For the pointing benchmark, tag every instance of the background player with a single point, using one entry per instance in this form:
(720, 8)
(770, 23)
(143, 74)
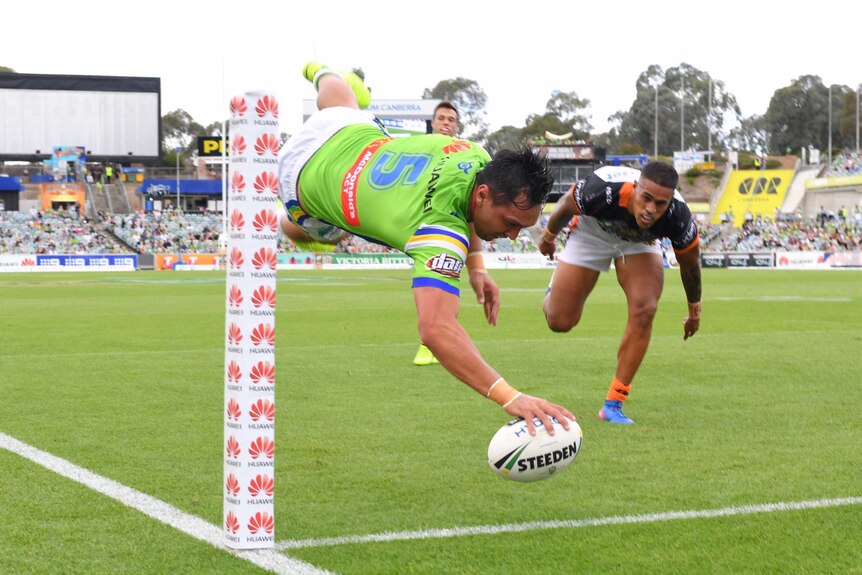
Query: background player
(619, 214)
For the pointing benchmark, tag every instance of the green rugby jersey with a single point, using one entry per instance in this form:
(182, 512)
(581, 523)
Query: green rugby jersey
(407, 193)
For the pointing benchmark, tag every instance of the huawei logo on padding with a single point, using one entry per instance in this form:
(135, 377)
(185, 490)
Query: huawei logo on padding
(238, 106)
(266, 182)
(233, 410)
(264, 257)
(263, 334)
(232, 485)
(234, 335)
(262, 446)
(263, 372)
(264, 295)
(235, 296)
(236, 219)
(262, 408)
(234, 373)
(261, 521)
(237, 182)
(233, 449)
(265, 220)
(261, 485)
(236, 259)
(267, 105)
(266, 144)
(231, 523)
(237, 145)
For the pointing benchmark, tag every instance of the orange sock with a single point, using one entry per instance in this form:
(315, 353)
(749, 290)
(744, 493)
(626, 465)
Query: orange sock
(618, 391)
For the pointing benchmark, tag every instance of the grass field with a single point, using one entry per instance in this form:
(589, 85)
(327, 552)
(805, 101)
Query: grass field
(754, 418)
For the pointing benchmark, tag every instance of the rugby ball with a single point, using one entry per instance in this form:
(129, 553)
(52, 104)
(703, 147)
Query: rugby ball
(514, 454)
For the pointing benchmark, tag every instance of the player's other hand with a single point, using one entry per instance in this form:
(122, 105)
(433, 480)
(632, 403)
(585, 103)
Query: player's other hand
(691, 324)
(547, 248)
(487, 294)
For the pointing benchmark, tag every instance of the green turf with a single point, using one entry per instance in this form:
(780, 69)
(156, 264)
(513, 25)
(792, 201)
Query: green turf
(123, 374)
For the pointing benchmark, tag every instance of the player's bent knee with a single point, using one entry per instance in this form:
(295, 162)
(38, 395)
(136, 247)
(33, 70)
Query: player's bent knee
(560, 324)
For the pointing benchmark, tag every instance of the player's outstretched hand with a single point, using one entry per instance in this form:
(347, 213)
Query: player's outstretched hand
(528, 407)
(691, 323)
(547, 248)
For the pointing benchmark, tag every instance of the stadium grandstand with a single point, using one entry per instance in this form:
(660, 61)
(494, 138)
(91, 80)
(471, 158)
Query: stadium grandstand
(109, 218)
(70, 205)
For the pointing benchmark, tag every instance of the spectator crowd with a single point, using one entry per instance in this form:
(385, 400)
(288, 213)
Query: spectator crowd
(826, 235)
(53, 232)
(66, 232)
(847, 163)
(168, 231)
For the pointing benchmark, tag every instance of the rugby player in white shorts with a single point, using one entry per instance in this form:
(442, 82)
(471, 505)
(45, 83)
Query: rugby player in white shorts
(619, 215)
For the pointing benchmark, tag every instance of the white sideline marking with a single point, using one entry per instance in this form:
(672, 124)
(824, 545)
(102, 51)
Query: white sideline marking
(784, 298)
(196, 527)
(571, 524)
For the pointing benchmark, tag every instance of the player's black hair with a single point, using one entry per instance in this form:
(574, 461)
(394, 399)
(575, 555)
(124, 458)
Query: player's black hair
(520, 176)
(661, 173)
(448, 105)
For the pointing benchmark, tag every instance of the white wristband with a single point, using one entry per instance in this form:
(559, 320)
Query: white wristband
(508, 403)
(548, 237)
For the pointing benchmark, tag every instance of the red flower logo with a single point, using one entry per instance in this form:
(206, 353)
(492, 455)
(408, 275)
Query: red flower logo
(263, 372)
(456, 146)
(233, 410)
(265, 220)
(262, 446)
(266, 182)
(262, 484)
(236, 259)
(261, 520)
(234, 374)
(266, 144)
(267, 105)
(234, 297)
(262, 408)
(232, 486)
(231, 523)
(264, 257)
(236, 219)
(263, 334)
(233, 449)
(238, 106)
(264, 295)
(237, 182)
(237, 145)
(234, 335)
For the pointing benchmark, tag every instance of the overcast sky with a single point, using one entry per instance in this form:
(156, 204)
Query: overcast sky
(206, 52)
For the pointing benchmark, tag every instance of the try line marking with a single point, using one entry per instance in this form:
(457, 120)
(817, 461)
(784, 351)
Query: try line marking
(571, 524)
(268, 559)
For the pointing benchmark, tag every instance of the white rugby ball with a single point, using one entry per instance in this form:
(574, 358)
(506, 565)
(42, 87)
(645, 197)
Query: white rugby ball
(514, 454)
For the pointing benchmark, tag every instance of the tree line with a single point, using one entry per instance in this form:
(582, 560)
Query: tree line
(695, 111)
